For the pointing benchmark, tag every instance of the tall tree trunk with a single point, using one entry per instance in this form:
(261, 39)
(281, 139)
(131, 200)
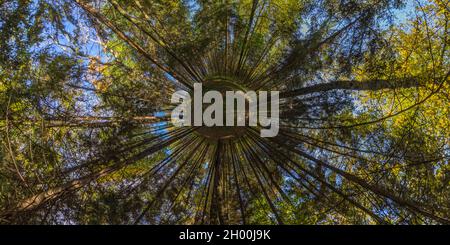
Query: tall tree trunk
(370, 85)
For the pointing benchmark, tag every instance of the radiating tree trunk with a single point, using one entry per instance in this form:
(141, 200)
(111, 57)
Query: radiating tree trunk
(87, 121)
(370, 85)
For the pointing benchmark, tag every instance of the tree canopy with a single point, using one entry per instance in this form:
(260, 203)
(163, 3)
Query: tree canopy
(86, 135)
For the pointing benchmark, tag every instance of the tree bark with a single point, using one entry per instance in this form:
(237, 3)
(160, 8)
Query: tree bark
(369, 85)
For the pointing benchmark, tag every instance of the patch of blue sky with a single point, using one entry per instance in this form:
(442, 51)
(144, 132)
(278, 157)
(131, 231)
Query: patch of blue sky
(402, 15)
(193, 7)
(159, 114)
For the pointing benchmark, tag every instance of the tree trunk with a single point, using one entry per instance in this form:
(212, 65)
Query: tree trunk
(370, 85)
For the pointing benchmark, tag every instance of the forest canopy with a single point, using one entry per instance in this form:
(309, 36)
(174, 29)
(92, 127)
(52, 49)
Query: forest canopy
(86, 135)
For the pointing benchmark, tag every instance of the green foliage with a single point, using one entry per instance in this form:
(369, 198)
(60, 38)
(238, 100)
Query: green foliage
(86, 136)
